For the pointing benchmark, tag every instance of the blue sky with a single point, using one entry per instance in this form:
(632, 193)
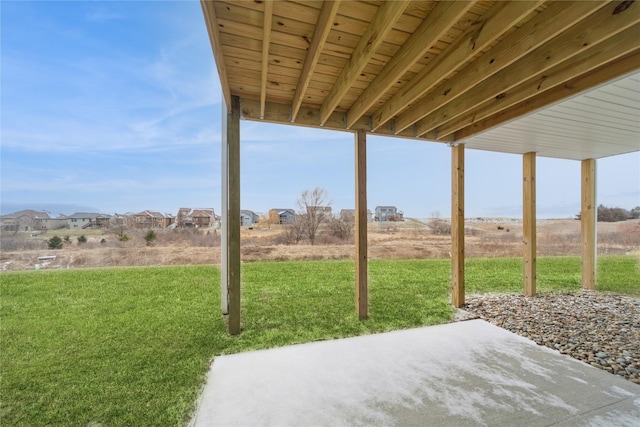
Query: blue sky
(115, 107)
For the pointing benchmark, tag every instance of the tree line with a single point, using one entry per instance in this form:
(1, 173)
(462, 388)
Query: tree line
(607, 214)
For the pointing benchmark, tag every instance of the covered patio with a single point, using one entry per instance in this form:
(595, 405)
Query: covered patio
(533, 78)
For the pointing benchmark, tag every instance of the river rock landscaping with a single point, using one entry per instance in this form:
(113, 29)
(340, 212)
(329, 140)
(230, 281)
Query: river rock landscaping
(600, 329)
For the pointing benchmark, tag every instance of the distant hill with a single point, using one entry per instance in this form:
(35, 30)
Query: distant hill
(53, 209)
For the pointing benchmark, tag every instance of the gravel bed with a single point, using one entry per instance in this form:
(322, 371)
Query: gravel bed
(600, 329)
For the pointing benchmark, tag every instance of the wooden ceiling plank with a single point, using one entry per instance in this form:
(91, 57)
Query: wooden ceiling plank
(320, 34)
(594, 29)
(306, 12)
(281, 35)
(208, 9)
(478, 36)
(266, 40)
(439, 21)
(607, 72)
(237, 12)
(597, 55)
(374, 35)
(247, 44)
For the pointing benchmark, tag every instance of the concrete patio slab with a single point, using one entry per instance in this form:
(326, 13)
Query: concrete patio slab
(462, 374)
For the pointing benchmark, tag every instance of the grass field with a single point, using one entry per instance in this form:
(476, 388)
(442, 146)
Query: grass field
(131, 346)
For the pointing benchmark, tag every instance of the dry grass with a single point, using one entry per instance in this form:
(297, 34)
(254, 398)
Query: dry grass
(410, 239)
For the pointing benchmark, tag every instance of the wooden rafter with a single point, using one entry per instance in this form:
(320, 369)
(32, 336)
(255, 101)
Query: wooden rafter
(607, 72)
(532, 34)
(596, 28)
(594, 57)
(266, 40)
(209, 13)
(310, 117)
(323, 26)
(478, 36)
(373, 37)
(439, 21)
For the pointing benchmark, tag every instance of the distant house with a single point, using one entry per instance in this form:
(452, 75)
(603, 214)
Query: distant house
(324, 210)
(152, 219)
(248, 218)
(349, 215)
(47, 223)
(25, 220)
(195, 218)
(388, 213)
(282, 216)
(84, 220)
(121, 220)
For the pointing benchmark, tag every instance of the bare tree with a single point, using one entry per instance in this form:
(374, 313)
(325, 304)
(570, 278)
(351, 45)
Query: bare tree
(341, 227)
(314, 209)
(295, 230)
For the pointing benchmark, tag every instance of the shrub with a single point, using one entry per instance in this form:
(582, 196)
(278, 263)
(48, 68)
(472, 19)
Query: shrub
(150, 238)
(340, 228)
(440, 227)
(82, 239)
(55, 243)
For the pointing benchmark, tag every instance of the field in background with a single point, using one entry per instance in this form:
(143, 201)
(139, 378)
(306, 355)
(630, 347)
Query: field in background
(409, 239)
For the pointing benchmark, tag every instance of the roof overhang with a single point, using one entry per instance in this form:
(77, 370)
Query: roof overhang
(556, 78)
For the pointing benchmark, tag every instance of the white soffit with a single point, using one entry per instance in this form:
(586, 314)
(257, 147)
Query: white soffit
(599, 123)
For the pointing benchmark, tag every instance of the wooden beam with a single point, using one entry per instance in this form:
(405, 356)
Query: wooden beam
(594, 29)
(457, 226)
(323, 26)
(310, 117)
(232, 213)
(493, 23)
(588, 224)
(266, 41)
(602, 53)
(362, 292)
(529, 222)
(618, 68)
(373, 37)
(209, 12)
(440, 20)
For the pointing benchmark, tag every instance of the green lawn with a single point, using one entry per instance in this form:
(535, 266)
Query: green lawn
(131, 346)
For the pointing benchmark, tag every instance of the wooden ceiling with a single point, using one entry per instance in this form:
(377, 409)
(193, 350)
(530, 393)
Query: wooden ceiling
(444, 71)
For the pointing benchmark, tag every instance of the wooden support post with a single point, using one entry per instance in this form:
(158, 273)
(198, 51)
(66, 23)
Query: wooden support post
(362, 292)
(224, 226)
(231, 213)
(529, 222)
(457, 226)
(588, 224)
